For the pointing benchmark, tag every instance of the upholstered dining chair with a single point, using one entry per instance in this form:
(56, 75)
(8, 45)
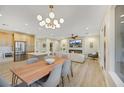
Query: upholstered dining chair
(68, 55)
(3, 82)
(32, 60)
(66, 70)
(54, 77)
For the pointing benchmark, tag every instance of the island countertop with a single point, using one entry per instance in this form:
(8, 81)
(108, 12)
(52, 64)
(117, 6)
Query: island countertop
(37, 53)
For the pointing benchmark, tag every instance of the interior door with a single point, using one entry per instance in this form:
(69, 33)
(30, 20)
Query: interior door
(51, 47)
(105, 47)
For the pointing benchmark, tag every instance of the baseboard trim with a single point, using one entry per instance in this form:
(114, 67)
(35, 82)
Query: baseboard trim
(116, 79)
(105, 76)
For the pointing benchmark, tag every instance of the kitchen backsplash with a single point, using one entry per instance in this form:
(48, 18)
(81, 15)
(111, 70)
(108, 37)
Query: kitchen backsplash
(6, 49)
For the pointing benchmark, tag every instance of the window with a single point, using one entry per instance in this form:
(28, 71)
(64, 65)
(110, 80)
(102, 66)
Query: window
(119, 41)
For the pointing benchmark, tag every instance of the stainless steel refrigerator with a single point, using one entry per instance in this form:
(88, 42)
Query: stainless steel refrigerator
(19, 50)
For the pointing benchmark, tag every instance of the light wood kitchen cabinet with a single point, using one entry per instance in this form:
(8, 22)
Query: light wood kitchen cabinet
(6, 39)
(29, 39)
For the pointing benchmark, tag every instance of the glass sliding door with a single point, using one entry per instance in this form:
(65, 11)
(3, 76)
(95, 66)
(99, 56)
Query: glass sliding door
(119, 41)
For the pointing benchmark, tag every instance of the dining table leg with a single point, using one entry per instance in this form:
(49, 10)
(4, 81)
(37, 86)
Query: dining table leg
(14, 79)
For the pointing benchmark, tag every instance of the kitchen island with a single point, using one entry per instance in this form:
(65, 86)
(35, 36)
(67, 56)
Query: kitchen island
(39, 55)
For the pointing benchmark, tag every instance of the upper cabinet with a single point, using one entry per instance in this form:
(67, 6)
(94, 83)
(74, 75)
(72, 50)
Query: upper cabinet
(29, 39)
(6, 39)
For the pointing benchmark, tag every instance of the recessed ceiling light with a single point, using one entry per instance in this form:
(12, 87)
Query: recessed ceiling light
(0, 14)
(122, 22)
(122, 15)
(87, 28)
(16, 29)
(26, 24)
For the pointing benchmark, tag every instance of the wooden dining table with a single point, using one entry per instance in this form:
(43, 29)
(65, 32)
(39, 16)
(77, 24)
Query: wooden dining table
(30, 73)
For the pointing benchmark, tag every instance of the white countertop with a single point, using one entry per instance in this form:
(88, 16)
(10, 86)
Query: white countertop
(37, 53)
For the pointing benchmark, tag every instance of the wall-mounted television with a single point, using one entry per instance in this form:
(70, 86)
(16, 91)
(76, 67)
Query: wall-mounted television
(75, 43)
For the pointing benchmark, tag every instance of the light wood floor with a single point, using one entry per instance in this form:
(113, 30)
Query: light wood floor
(87, 74)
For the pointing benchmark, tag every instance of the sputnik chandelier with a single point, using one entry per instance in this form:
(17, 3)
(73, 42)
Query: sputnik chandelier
(51, 22)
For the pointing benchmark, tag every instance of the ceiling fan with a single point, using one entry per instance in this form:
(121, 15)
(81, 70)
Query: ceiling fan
(74, 36)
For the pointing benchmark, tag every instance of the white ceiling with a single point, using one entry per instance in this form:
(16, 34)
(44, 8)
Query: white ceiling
(77, 18)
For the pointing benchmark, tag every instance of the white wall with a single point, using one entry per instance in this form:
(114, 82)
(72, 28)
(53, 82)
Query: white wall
(87, 41)
(64, 45)
(56, 44)
(110, 40)
(40, 41)
(109, 22)
(38, 45)
(85, 44)
(101, 44)
(60, 45)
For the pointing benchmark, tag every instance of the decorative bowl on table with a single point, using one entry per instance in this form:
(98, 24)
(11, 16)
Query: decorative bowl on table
(50, 60)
